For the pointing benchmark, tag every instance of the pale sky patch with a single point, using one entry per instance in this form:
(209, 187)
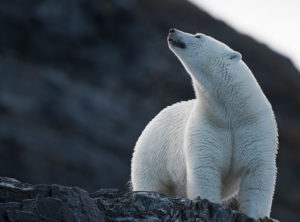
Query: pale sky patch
(273, 22)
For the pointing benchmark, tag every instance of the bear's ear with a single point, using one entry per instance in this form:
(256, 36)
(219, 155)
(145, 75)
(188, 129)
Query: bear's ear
(234, 56)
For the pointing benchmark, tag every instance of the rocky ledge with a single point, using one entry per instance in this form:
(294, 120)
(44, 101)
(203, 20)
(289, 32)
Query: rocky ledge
(42, 202)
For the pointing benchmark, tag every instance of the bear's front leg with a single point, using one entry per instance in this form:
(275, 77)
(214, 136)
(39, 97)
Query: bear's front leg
(205, 163)
(204, 182)
(207, 152)
(256, 155)
(256, 190)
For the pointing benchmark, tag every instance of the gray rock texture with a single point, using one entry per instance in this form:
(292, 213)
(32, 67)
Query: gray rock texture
(30, 203)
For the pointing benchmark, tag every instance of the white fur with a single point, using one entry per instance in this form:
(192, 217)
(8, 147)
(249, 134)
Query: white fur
(221, 143)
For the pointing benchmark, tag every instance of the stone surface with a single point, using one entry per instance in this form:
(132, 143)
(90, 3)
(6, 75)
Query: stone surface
(25, 202)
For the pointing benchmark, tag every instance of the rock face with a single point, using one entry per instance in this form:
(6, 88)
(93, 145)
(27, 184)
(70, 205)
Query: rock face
(79, 80)
(25, 202)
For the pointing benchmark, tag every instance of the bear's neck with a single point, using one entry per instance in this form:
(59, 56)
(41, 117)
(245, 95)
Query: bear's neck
(230, 103)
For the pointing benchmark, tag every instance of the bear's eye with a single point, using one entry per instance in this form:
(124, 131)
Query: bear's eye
(197, 36)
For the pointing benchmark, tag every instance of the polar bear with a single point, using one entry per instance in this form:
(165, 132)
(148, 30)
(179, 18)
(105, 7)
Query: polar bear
(222, 143)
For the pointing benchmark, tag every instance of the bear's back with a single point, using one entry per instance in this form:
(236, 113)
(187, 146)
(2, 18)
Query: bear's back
(160, 145)
(167, 125)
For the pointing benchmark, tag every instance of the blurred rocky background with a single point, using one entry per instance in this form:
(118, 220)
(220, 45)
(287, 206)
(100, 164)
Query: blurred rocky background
(79, 80)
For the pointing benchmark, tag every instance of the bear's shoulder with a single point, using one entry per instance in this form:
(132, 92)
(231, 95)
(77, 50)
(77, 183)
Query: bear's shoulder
(171, 116)
(177, 109)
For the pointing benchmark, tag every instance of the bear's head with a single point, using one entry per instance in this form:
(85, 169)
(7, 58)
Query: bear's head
(201, 54)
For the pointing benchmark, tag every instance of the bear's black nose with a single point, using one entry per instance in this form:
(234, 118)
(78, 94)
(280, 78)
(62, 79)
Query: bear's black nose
(171, 30)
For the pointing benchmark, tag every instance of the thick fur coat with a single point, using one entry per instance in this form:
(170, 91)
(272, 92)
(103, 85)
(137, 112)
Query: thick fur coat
(222, 143)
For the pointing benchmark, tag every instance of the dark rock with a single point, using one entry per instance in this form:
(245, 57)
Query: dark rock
(74, 204)
(40, 204)
(12, 190)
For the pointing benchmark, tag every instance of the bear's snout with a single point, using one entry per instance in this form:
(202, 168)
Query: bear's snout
(171, 30)
(174, 40)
